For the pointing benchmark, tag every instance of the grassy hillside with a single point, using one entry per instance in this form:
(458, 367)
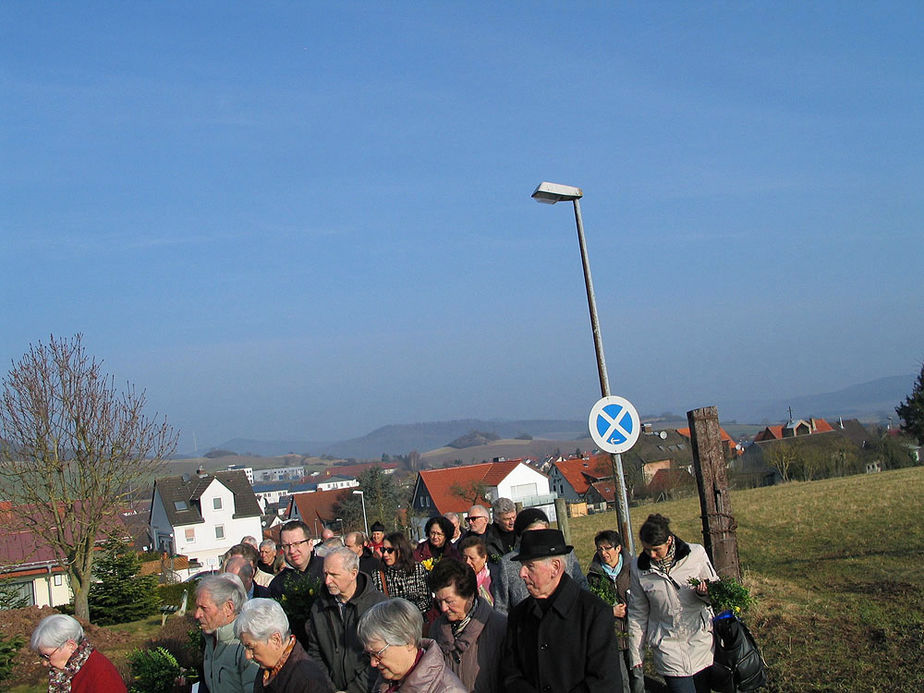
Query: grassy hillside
(836, 565)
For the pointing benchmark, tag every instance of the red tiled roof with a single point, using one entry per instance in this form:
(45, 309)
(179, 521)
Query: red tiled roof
(770, 433)
(723, 434)
(581, 472)
(440, 482)
(319, 505)
(821, 426)
(606, 490)
(667, 479)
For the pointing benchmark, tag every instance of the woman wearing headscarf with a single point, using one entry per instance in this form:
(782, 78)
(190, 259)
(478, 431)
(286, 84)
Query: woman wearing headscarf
(669, 614)
(73, 663)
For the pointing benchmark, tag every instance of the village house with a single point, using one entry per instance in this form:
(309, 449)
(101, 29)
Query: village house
(456, 489)
(201, 516)
(318, 510)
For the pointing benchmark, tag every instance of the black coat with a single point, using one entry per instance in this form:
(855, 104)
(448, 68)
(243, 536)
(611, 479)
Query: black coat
(570, 647)
(300, 674)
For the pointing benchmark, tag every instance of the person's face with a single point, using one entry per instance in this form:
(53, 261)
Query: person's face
(505, 521)
(378, 536)
(389, 554)
(353, 545)
(212, 616)
(392, 661)
(541, 577)
(436, 536)
(264, 652)
(474, 559)
(608, 553)
(297, 547)
(455, 524)
(267, 555)
(57, 656)
(658, 552)
(477, 523)
(451, 604)
(340, 581)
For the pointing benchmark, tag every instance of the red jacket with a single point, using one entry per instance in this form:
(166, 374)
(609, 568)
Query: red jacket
(97, 675)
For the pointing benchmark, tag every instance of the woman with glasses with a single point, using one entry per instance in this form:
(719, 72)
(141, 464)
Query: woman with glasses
(401, 576)
(407, 663)
(609, 576)
(439, 531)
(73, 663)
(668, 613)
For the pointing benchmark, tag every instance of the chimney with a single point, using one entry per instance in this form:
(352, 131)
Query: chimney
(200, 471)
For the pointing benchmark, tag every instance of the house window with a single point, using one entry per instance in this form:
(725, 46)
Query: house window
(216, 503)
(180, 505)
(219, 532)
(190, 535)
(59, 580)
(523, 490)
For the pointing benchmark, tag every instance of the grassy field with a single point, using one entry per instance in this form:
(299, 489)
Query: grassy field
(836, 566)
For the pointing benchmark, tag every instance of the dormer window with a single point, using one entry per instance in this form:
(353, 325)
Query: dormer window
(180, 505)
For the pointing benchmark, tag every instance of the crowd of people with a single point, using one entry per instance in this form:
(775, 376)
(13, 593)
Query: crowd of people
(501, 605)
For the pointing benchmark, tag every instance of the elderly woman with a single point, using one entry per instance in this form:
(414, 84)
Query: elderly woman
(400, 575)
(73, 664)
(439, 531)
(666, 612)
(390, 633)
(475, 554)
(468, 631)
(263, 630)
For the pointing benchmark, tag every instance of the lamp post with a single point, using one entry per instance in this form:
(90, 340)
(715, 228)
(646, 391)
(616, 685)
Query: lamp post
(362, 497)
(550, 193)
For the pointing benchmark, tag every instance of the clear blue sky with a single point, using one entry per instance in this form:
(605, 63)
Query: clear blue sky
(306, 220)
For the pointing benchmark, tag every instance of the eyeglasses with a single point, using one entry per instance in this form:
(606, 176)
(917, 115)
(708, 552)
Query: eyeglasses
(604, 549)
(286, 547)
(47, 657)
(377, 656)
(388, 549)
(473, 518)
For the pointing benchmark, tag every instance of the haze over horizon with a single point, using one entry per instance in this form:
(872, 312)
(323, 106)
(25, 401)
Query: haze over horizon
(304, 221)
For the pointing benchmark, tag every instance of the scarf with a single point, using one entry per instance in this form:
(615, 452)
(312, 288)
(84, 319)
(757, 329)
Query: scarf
(665, 564)
(484, 585)
(458, 626)
(612, 573)
(270, 674)
(59, 680)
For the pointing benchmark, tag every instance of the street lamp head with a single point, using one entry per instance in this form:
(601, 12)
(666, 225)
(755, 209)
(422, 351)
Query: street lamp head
(357, 493)
(550, 193)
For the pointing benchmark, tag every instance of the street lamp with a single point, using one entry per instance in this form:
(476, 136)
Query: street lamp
(362, 497)
(550, 193)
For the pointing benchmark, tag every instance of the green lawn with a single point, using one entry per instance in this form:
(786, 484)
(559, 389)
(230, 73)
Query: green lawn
(836, 566)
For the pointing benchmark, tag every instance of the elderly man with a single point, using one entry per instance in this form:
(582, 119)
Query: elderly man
(478, 520)
(240, 566)
(301, 574)
(356, 542)
(456, 529)
(252, 555)
(267, 562)
(377, 538)
(561, 638)
(331, 627)
(499, 537)
(225, 666)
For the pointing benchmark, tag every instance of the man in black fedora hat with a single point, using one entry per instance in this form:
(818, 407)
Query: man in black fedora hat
(561, 638)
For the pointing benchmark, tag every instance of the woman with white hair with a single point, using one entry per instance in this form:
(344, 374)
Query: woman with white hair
(73, 664)
(390, 633)
(263, 629)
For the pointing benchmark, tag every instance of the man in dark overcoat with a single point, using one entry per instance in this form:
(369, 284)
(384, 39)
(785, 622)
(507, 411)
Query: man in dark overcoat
(561, 638)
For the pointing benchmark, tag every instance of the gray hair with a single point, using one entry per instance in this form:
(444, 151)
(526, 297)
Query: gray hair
(240, 566)
(451, 516)
(54, 631)
(502, 506)
(328, 546)
(350, 561)
(222, 588)
(394, 621)
(358, 537)
(483, 510)
(261, 618)
(268, 544)
(249, 539)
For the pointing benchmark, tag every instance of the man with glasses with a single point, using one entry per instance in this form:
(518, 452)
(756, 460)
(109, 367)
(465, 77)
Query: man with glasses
(477, 519)
(609, 574)
(298, 575)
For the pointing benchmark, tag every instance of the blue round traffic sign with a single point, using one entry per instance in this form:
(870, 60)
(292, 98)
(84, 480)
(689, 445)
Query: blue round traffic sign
(614, 424)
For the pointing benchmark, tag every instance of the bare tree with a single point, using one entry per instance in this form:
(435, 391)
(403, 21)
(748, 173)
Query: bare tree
(72, 448)
(471, 491)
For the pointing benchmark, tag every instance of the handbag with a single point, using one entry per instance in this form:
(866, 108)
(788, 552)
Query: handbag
(737, 653)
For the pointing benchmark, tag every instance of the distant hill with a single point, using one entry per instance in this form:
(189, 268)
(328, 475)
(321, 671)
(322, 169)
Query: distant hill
(871, 401)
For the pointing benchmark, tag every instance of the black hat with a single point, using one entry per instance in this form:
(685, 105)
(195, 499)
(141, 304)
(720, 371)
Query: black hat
(542, 543)
(526, 517)
(377, 527)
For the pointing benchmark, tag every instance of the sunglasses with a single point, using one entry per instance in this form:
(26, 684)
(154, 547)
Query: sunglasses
(472, 518)
(388, 549)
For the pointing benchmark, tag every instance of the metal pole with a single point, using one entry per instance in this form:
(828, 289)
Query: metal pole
(622, 500)
(362, 497)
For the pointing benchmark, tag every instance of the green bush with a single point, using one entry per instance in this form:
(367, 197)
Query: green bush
(153, 671)
(8, 650)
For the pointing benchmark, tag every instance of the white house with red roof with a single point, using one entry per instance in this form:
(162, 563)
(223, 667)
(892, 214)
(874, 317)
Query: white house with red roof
(456, 489)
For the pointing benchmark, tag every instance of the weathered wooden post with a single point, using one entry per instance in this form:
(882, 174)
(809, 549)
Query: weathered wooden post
(561, 513)
(719, 524)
